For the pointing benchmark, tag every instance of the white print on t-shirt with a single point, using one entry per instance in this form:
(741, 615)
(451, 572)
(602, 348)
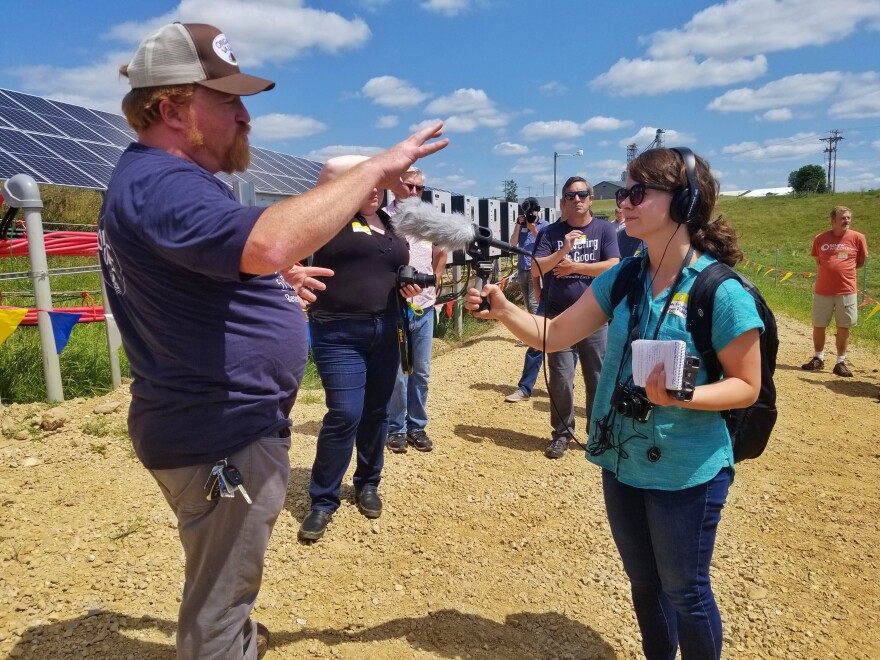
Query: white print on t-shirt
(284, 285)
(114, 270)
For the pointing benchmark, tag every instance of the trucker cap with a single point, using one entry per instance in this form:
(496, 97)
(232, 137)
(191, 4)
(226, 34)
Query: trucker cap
(182, 53)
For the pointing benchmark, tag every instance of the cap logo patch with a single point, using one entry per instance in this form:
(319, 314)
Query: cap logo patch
(223, 49)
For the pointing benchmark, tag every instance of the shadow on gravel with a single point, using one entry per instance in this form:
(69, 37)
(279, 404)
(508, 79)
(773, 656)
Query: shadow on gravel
(500, 436)
(447, 633)
(98, 636)
(454, 634)
(297, 501)
(846, 386)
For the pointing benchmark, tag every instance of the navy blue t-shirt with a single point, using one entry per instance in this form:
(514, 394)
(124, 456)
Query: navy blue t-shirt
(598, 243)
(216, 355)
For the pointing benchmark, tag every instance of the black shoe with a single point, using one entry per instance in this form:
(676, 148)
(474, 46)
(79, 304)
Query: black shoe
(815, 364)
(314, 525)
(840, 369)
(420, 440)
(368, 501)
(396, 442)
(556, 448)
(262, 640)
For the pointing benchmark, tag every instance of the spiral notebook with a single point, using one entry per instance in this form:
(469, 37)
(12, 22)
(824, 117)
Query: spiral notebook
(647, 353)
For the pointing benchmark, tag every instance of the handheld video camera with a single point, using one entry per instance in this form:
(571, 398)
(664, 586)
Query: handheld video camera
(409, 275)
(530, 210)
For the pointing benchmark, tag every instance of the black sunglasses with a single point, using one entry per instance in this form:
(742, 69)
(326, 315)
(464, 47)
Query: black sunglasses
(636, 194)
(414, 186)
(583, 194)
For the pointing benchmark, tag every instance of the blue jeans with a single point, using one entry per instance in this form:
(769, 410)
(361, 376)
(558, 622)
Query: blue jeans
(534, 358)
(407, 412)
(357, 360)
(561, 365)
(666, 539)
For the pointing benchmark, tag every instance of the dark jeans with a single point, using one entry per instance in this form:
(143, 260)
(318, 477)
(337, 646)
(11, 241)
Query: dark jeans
(666, 539)
(533, 360)
(357, 360)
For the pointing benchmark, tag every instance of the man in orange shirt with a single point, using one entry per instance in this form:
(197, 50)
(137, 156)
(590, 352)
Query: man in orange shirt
(838, 253)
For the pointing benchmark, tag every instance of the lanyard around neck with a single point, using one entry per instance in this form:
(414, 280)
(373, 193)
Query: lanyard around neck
(673, 289)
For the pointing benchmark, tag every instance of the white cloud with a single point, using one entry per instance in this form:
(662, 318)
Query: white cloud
(650, 77)
(446, 7)
(532, 165)
(600, 123)
(97, 86)
(777, 114)
(387, 121)
(741, 28)
(799, 89)
(560, 129)
(277, 126)
(393, 92)
(261, 31)
(552, 88)
(876, 145)
(331, 151)
(846, 95)
(509, 149)
(800, 145)
(469, 109)
(858, 96)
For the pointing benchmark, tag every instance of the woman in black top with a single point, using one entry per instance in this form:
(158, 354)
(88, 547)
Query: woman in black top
(353, 326)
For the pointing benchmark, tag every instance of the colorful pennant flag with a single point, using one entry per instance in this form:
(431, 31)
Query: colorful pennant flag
(62, 326)
(9, 320)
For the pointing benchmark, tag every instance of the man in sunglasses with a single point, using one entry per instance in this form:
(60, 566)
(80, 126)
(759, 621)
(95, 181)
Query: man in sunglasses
(407, 414)
(572, 253)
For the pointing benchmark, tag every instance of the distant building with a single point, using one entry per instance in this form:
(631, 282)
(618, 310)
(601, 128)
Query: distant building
(757, 192)
(606, 189)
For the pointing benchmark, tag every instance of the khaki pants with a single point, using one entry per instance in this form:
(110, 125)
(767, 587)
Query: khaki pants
(225, 543)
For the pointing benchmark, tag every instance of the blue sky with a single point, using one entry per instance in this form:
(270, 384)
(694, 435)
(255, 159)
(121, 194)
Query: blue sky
(752, 85)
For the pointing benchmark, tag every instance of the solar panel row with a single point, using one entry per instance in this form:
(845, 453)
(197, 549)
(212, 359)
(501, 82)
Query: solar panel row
(69, 145)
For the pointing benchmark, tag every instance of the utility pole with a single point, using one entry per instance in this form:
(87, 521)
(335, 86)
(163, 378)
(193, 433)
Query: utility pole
(831, 150)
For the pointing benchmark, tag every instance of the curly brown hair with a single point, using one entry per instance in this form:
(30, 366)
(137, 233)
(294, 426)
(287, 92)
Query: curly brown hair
(141, 105)
(665, 167)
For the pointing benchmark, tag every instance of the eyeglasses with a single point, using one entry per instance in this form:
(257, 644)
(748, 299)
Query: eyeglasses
(636, 194)
(414, 186)
(571, 194)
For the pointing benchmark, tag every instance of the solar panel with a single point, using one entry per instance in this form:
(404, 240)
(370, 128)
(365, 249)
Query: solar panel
(69, 145)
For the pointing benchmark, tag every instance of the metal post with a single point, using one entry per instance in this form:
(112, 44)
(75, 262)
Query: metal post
(776, 276)
(21, 192)
(114, 340)
(555, 201)
(456, 308)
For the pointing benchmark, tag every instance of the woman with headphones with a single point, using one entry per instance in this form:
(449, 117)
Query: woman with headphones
(666, 463)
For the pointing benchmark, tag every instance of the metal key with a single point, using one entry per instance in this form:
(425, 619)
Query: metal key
(234, 479)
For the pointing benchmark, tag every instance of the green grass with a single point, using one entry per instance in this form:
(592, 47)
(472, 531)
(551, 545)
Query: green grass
(770, 227)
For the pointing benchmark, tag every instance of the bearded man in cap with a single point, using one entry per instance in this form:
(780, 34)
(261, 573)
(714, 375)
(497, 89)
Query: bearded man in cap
(204, 293)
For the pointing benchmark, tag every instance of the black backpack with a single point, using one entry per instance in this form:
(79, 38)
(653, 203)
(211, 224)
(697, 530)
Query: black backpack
(750, 427)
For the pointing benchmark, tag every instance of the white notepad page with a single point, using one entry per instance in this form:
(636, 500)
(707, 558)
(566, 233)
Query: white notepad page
(647, 353)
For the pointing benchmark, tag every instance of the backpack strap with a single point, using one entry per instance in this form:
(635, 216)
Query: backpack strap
(628, 282)
(701, 304)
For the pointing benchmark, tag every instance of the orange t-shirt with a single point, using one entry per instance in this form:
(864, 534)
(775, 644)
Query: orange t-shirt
(838, 258)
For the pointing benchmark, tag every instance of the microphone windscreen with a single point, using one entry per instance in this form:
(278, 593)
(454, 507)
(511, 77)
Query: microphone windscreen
(425, 222)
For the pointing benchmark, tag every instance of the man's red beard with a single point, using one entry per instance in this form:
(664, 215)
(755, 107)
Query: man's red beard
(236, 159)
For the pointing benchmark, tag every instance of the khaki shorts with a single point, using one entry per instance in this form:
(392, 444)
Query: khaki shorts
(845, 309)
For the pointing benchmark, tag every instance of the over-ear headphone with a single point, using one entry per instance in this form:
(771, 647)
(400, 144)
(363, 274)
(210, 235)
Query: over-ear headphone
(686, 201)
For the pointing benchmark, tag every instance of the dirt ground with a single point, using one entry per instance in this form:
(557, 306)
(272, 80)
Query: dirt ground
(485, 549)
